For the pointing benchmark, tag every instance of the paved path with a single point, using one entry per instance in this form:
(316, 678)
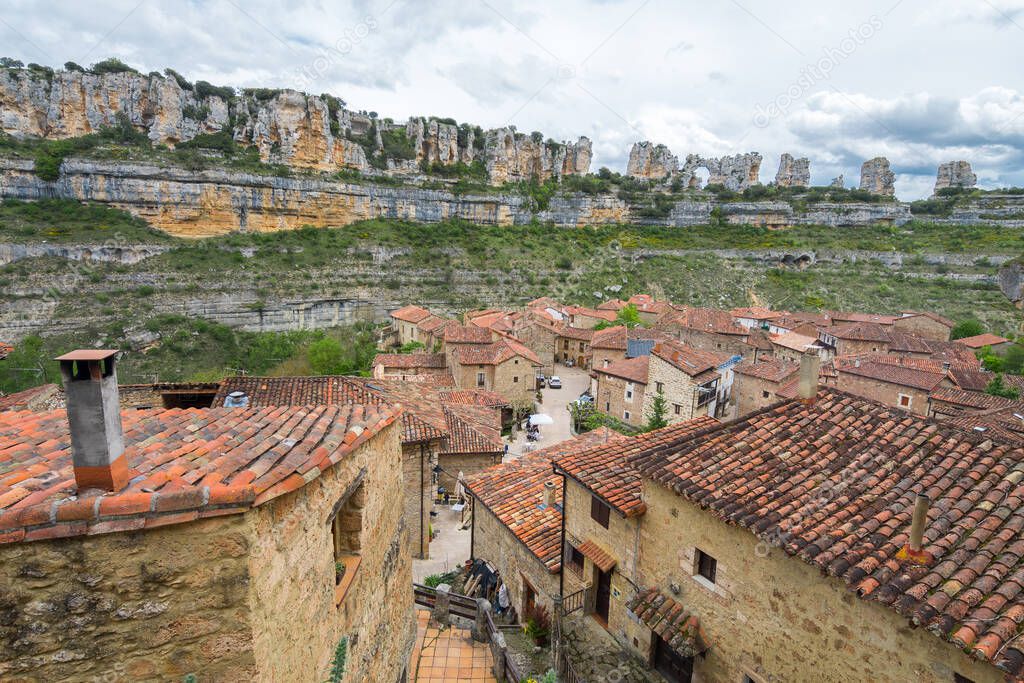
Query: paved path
(449, 655)
(574, 383)
(449, 550)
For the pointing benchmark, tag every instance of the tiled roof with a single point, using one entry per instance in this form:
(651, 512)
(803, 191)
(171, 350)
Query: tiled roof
(472, 429)
(495, 353)
(971, 399)
(860, 331)
(592, 313)
(928, 314)
(409, 360)
(466, 334)
(794, 341)
(858, 467)
(431, 323)
(493, 319)
(774, 370)
(690, 360)
(610, 338)
(184, 465)
(514, 493)
(575, 333)
(598, 555)
(631, 369)
(704, 320)
(410, 314)
(671, 621)
(893, 373)
(611, 305)
(758, 339)
(908, 343)
(757, 313)
(29, 399)
(982, 340)
(841, 317)
(474, 397)
(604, 470)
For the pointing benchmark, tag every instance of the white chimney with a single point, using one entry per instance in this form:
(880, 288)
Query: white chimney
(549, 494)
(810, 366)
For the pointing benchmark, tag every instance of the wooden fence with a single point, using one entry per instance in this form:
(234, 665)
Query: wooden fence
(468, 608)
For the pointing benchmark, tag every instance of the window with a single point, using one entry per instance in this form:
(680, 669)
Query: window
(957, 678)
(904, 401)
(346, 526)
(706, 393)
(659, 387)
(629, 391)
(606, 362)
(625, 414)
(575, 561)
(765, 394)
(481, 379)
(607, 406)
(515, 380)
(707, 566)
(677, 408)
(599, 511)
(515, 362)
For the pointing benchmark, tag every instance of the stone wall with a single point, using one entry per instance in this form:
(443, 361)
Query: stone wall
(748, 393)
(418, 462)
(292, 575)
(923, 326)
(515, 380)
(495, 543)
(611, 399)
(467, 463)
(776, 617)
(143, 605)
(679, 389)
(884, 392)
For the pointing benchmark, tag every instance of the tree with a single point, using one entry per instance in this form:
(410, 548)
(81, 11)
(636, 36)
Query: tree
(659, 409)
(628, 316)
(997, 388)
(326, 356)
(966, 328)
(603, 325)
(410, 347)
(1013, 360)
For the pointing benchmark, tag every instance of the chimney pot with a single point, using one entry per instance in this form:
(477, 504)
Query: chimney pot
(918, 522)
(94, 418)
(549, 494)
(810, 366)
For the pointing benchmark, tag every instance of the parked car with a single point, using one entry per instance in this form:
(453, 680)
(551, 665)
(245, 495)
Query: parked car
(585, 397)
(541, 381)
(554, 382)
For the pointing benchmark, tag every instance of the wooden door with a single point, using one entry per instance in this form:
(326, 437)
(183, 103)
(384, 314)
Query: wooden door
(604, 594)
(670, 664)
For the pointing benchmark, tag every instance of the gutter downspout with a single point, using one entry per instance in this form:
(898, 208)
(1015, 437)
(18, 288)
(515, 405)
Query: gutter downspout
(561, 547)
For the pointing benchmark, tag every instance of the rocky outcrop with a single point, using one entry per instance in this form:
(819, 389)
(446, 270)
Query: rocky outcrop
(512, 156)
(877, 178)
(957, 174)
(838, 181)
(793, 172)
(736, 173)
(1011, 281)
(286, 126)
(651, 162)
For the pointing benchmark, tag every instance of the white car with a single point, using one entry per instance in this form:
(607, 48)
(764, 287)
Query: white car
(554, 382)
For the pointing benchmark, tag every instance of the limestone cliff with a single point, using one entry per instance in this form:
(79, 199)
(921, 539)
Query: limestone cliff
(793, 172)
(287, 127)
(956, 174)
(736, 173)
(877, 178)
(651, 162)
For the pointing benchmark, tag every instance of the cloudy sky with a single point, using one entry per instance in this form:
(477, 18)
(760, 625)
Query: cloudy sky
(918, 81)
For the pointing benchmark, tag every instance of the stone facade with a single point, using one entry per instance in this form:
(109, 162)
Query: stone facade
(899, 396)
(493, 542)
(620, 398)
(467, 463)
(514, 379)
(541, 340)
(576, 350)
(775, 618)
(418, 460)
(752, 393)
(679, 389)
(247, 596)
(923, 326)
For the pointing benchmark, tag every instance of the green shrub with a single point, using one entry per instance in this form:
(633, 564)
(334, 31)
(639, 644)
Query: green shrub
(112, 65)
(205, 89)
(181, 80)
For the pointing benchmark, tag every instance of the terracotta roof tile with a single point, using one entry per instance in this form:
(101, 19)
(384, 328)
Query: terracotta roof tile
(757, 313)
(675, 625)
(860, 331)
(474, 397)
(891, 372)
(982, 340)
(690, 360)
(604, 470)
(514, 493)
(466, 334)
(212, 461)
(764, 472)
(472, 429)
(928, 314)
(703, 320)
(610, 338)
(631, 369)
(598, 555)
(29, 399)
(410, 360)
(495, 353)
(431, 323)
(795, 341)
(774, 370)
(410, 314)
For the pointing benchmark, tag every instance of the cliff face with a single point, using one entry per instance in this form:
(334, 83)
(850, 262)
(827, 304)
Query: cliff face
(286, 126)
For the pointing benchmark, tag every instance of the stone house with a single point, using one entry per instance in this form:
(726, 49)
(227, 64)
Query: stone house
(757, 384)
(731, 503)
(429, 431)
(462, 336)
(404, 321)
(924, 324)
(608, 346)
(839, 318)
(408, 366)
(542, 338)
(587, 318)
(855, 338)
(792, 345)
(504, 366)
(603, 507)
(573, 344)
(220, 544)
(694, 382)
(430, 332)
(895, 381)
(978, 342)
(620, 389)
(711, 330)
(473, 443)
(648, 308)
(756, 317)
(517, 520)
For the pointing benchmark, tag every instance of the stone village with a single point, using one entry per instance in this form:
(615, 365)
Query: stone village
(711, 495)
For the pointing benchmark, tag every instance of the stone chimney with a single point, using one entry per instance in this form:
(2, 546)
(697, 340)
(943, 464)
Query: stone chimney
(549, 494)
(914, 549)
(810, 366)
(94, 416)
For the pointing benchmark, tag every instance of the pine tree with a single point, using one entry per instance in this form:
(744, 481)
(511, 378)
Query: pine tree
(659, 409)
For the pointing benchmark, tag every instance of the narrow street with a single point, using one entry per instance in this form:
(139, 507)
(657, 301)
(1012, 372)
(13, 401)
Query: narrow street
(574, 382)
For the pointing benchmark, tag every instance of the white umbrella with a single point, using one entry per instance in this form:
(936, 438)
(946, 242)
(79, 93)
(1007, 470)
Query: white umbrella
(541, 419)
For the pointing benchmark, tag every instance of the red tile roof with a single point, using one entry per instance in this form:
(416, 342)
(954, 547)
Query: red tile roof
(578, 333)
(981, 340)
(598, 555)
(184, 465)
(472, 429)
(611, 305)
(466, 334)
(690, 360)
(604, 470)
(890, 372)
(610, 338)
(703, 320)
(30, 399)
(631, 369)
(775, 370)
(859, 331)
(795, 341)
(928, 314)
(296, 391)
(514, 493)
(410, 314)
(669, 620)
(409, 360)
(592, 313)
(495, 353)
(757, 313)
(432, 323)
(972, 399)
(841, 317)
(474, 397)
(858, 466)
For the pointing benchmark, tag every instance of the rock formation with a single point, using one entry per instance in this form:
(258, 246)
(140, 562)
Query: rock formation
(877, 178)
(650, 161)
(793, 172)
(955, 174)
(1011, 281)
(838, 181)
(736, 173)
(286, 126)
